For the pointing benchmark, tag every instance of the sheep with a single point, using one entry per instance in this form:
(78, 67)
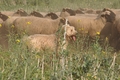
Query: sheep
(87, 25)
(111, 30)
(35, 25)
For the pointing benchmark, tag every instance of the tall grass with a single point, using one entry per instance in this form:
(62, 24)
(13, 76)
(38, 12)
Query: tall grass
(78, 62)
(81, 61)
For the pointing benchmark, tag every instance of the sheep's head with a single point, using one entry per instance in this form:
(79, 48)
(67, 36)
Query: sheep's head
(3, 17)
(35, 13)
(20, 12)
(67, 12)
(51, 15)
(108, 14)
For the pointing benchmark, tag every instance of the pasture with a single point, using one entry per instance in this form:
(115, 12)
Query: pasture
(82, 60)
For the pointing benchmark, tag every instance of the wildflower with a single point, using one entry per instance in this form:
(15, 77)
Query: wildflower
(12, 26)
(81, 29)
(23, 33)
(16, 34)
(0, 25)
(18, 41)
(106, 38)
(103, 52)
(88, 74)
(98, 33)
(37, 56)
(95, 77)
(8, 35)
(28, 23)
(9, 16)
(78, 20)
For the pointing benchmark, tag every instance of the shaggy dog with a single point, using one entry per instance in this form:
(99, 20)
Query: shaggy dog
(38, 42)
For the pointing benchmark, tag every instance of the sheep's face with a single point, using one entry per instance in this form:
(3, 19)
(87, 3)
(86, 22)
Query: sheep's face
(37, 14)
(51, 15)
(108, 15)
(71, 32)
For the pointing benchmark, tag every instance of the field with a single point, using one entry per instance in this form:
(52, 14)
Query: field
(78, 62)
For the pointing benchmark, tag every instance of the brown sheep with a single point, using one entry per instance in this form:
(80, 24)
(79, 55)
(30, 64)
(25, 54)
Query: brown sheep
(112, 29)
(35, 13)
(67, 12)
(35, 25)
(38, 42)
(51, 15)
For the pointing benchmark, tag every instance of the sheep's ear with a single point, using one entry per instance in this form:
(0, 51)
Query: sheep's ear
(106, 9)
(63, 9)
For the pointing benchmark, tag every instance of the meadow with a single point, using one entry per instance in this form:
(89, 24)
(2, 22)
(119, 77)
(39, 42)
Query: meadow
(78, 62)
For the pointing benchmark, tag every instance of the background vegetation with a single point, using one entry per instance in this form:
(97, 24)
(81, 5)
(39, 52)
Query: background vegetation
(57, 5)
(79, 62)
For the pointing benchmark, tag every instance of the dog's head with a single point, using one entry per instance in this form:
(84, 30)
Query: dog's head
(70, 32)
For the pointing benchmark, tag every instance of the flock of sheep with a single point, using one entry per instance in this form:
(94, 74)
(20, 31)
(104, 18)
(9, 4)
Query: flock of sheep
(41, 28)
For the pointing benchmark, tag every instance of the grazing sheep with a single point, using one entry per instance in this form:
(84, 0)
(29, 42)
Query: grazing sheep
(87, 25)
(112, 30)
(67, 12)
(38, 42)
(51, 15)
(35, 25)
(35, 13)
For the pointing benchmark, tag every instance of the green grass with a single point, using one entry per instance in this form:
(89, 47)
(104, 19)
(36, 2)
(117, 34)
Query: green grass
(57, 5)
(79, 62)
